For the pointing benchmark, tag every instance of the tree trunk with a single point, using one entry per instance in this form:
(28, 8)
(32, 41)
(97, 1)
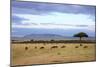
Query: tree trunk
(80, 41)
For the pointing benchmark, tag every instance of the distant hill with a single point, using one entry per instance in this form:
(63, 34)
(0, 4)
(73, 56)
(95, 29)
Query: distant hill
(48, 37)
(40, 37)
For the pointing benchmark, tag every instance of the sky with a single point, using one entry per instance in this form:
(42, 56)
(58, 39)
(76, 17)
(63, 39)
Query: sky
(51, 18)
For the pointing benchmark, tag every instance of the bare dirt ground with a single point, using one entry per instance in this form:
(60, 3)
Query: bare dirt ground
(39, 53)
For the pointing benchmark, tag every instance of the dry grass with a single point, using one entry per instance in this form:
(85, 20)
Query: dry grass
(45, 55)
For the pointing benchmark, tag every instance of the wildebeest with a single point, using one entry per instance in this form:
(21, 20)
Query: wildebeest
(41, 47)
(76, 47)
(26, 48)
(63, 46)
(85, 47)
(54, 47)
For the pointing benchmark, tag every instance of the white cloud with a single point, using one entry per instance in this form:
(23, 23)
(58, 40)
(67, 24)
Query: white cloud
(92, 27)
(56, 20)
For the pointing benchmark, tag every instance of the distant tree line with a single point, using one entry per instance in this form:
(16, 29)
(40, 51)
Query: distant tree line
(56, 41)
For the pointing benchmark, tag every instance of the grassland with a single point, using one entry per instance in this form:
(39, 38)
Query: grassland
(40, 53)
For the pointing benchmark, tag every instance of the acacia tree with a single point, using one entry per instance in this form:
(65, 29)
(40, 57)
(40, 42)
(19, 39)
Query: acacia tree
(80, 35)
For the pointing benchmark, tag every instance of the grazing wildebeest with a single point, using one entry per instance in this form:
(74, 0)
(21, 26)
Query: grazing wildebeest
(41, 47)
(26, 48)
(54, 47)
(76, 47)
(63, 46)
(85, 47)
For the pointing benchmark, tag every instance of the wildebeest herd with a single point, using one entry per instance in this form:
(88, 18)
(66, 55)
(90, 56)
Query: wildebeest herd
(26, 48)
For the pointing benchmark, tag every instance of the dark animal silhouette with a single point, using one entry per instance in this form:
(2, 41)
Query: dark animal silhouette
(85, 47)
(76, 47)
(41, 47)
(54, 47)
(26, 48)
(63, 46)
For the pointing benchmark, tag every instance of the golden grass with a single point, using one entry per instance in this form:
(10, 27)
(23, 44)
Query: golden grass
(33, 55)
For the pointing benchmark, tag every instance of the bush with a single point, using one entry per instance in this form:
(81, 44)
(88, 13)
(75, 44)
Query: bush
(81, 45)
(58, 53)
(52, 40)
(35, 47)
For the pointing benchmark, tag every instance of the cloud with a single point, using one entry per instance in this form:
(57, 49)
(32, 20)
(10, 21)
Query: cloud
(55, 21)
(17, 19)
(90, 27)
(57, 18)
(45, 8)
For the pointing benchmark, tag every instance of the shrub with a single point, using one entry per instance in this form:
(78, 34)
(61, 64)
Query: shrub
(58, 53)
(35, 47)
(81, 45)
(52, 40)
